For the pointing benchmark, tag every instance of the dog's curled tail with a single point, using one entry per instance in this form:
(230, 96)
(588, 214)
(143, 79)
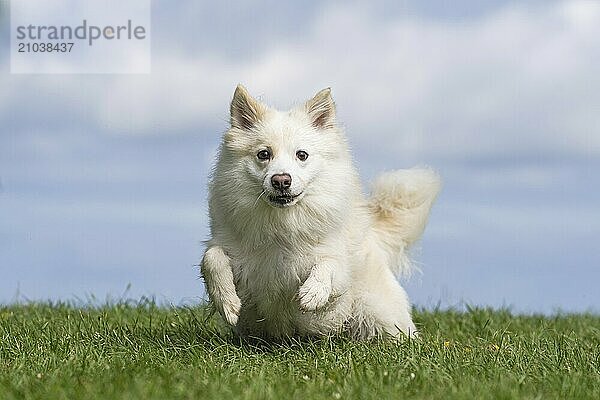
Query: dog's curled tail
(400, 203)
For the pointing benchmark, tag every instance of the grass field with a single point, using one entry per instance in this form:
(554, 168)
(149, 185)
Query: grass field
(141, 351)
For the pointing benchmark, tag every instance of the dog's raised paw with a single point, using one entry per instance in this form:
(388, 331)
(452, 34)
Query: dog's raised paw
(313, 294)
(231, 310)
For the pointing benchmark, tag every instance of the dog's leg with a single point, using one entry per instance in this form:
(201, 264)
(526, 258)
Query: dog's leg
(316, 289)
(218, 276)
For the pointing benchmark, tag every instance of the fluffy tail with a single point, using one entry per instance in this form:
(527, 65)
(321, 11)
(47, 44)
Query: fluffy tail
(400, 203)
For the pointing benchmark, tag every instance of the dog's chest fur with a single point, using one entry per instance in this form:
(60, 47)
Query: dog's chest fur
(269, 277)
(267, 281)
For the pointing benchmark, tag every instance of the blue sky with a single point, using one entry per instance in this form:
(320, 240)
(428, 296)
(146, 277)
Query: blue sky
(103, 176)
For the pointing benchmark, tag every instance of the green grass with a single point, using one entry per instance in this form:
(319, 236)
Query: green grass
(148, 352)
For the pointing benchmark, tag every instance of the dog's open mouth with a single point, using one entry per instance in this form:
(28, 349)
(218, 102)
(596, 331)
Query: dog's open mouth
(283, 199)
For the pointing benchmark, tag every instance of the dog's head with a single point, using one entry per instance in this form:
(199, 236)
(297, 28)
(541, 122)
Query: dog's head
(284, 156)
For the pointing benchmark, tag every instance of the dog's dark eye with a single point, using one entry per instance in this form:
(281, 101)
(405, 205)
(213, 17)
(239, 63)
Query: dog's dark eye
(263, 155)
(302, 155)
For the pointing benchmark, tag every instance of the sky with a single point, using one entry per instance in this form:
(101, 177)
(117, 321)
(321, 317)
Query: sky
(103, 177)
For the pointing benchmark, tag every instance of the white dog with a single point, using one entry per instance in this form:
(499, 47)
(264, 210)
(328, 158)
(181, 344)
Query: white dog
(296, 248)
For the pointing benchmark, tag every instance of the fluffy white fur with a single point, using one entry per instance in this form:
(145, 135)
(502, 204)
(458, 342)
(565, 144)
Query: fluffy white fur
(321, 257)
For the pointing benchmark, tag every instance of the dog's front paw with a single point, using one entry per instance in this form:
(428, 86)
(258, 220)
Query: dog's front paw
(314, 294)
(230, 309)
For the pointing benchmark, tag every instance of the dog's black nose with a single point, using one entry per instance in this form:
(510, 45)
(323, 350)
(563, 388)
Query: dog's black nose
(281, 181)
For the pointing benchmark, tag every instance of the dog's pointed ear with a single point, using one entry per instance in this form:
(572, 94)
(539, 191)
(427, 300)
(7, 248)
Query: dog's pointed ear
(245, 111)
(321, 109)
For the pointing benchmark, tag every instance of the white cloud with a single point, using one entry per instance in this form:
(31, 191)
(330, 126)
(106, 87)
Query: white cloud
(515, 80)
